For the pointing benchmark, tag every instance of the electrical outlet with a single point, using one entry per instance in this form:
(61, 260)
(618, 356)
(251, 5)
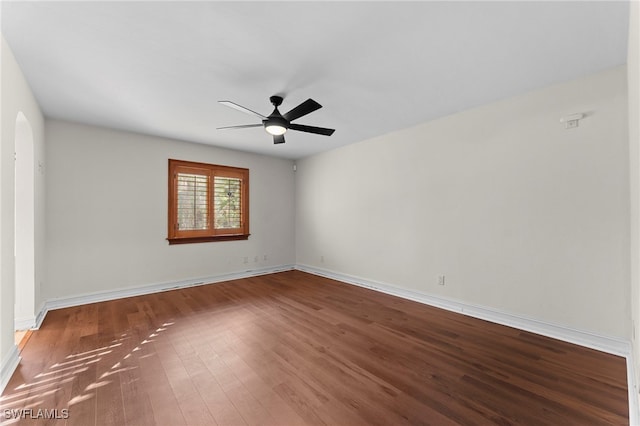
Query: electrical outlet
(440, 279)
(255, 259)
(264, 257)
(245, 259)
(321, 259)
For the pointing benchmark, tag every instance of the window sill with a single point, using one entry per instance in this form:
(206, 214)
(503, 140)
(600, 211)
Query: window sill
(208, 239)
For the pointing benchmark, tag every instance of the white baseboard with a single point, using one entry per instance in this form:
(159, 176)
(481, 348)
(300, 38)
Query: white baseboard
(25, 323)
(606, 344)
(584, 338)
(103, 296)
(9, 364)
(42, 312)
(31, 323)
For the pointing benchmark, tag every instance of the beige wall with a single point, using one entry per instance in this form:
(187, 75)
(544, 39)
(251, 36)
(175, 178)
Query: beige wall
(520, 214)
(107, 212)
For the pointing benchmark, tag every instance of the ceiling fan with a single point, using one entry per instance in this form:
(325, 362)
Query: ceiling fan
(277, 124)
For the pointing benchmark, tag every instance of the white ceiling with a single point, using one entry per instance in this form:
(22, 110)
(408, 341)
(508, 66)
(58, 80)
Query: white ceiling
(160, 67)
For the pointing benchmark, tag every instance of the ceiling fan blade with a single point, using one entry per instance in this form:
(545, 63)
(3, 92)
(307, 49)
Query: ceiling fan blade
(241, 108)
(312, 129)
(242, 126)
(304, 108)
(278, 139)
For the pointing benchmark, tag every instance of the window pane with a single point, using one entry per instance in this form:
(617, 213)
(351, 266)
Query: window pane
(227, 202)
(193, 204)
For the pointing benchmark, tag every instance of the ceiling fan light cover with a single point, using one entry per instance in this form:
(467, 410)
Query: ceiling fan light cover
(275, 129)
(275, 124)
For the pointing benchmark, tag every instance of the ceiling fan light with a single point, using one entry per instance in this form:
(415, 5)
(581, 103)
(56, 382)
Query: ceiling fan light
(275, 129)
(275, 124)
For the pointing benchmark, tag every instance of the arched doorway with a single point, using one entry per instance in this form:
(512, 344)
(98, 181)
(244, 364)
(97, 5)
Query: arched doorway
(24, 246)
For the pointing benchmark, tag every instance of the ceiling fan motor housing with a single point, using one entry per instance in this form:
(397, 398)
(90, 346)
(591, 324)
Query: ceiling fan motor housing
(276, 120)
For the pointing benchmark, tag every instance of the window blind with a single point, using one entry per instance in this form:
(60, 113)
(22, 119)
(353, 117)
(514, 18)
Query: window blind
(193, 202)
(227, 202)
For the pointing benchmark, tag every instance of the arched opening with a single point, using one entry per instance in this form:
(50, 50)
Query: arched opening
(24, 241)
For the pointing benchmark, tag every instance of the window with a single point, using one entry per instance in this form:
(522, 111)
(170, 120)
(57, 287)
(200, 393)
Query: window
(207, 202)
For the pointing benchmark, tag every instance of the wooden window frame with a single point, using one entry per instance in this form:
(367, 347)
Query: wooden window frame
(176, 236)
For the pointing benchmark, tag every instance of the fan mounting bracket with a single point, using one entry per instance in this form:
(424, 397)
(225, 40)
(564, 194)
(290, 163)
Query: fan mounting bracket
(276, 100)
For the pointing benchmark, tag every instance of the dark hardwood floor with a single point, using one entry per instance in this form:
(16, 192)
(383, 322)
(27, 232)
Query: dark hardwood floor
(294, 349)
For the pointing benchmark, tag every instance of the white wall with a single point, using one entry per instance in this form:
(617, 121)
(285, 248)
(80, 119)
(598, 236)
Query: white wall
(521, 215)
(107, 212)
(16, 97)
(25, 175)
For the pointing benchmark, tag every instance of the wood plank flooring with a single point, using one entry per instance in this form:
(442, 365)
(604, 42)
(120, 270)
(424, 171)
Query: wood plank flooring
(297, 349)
